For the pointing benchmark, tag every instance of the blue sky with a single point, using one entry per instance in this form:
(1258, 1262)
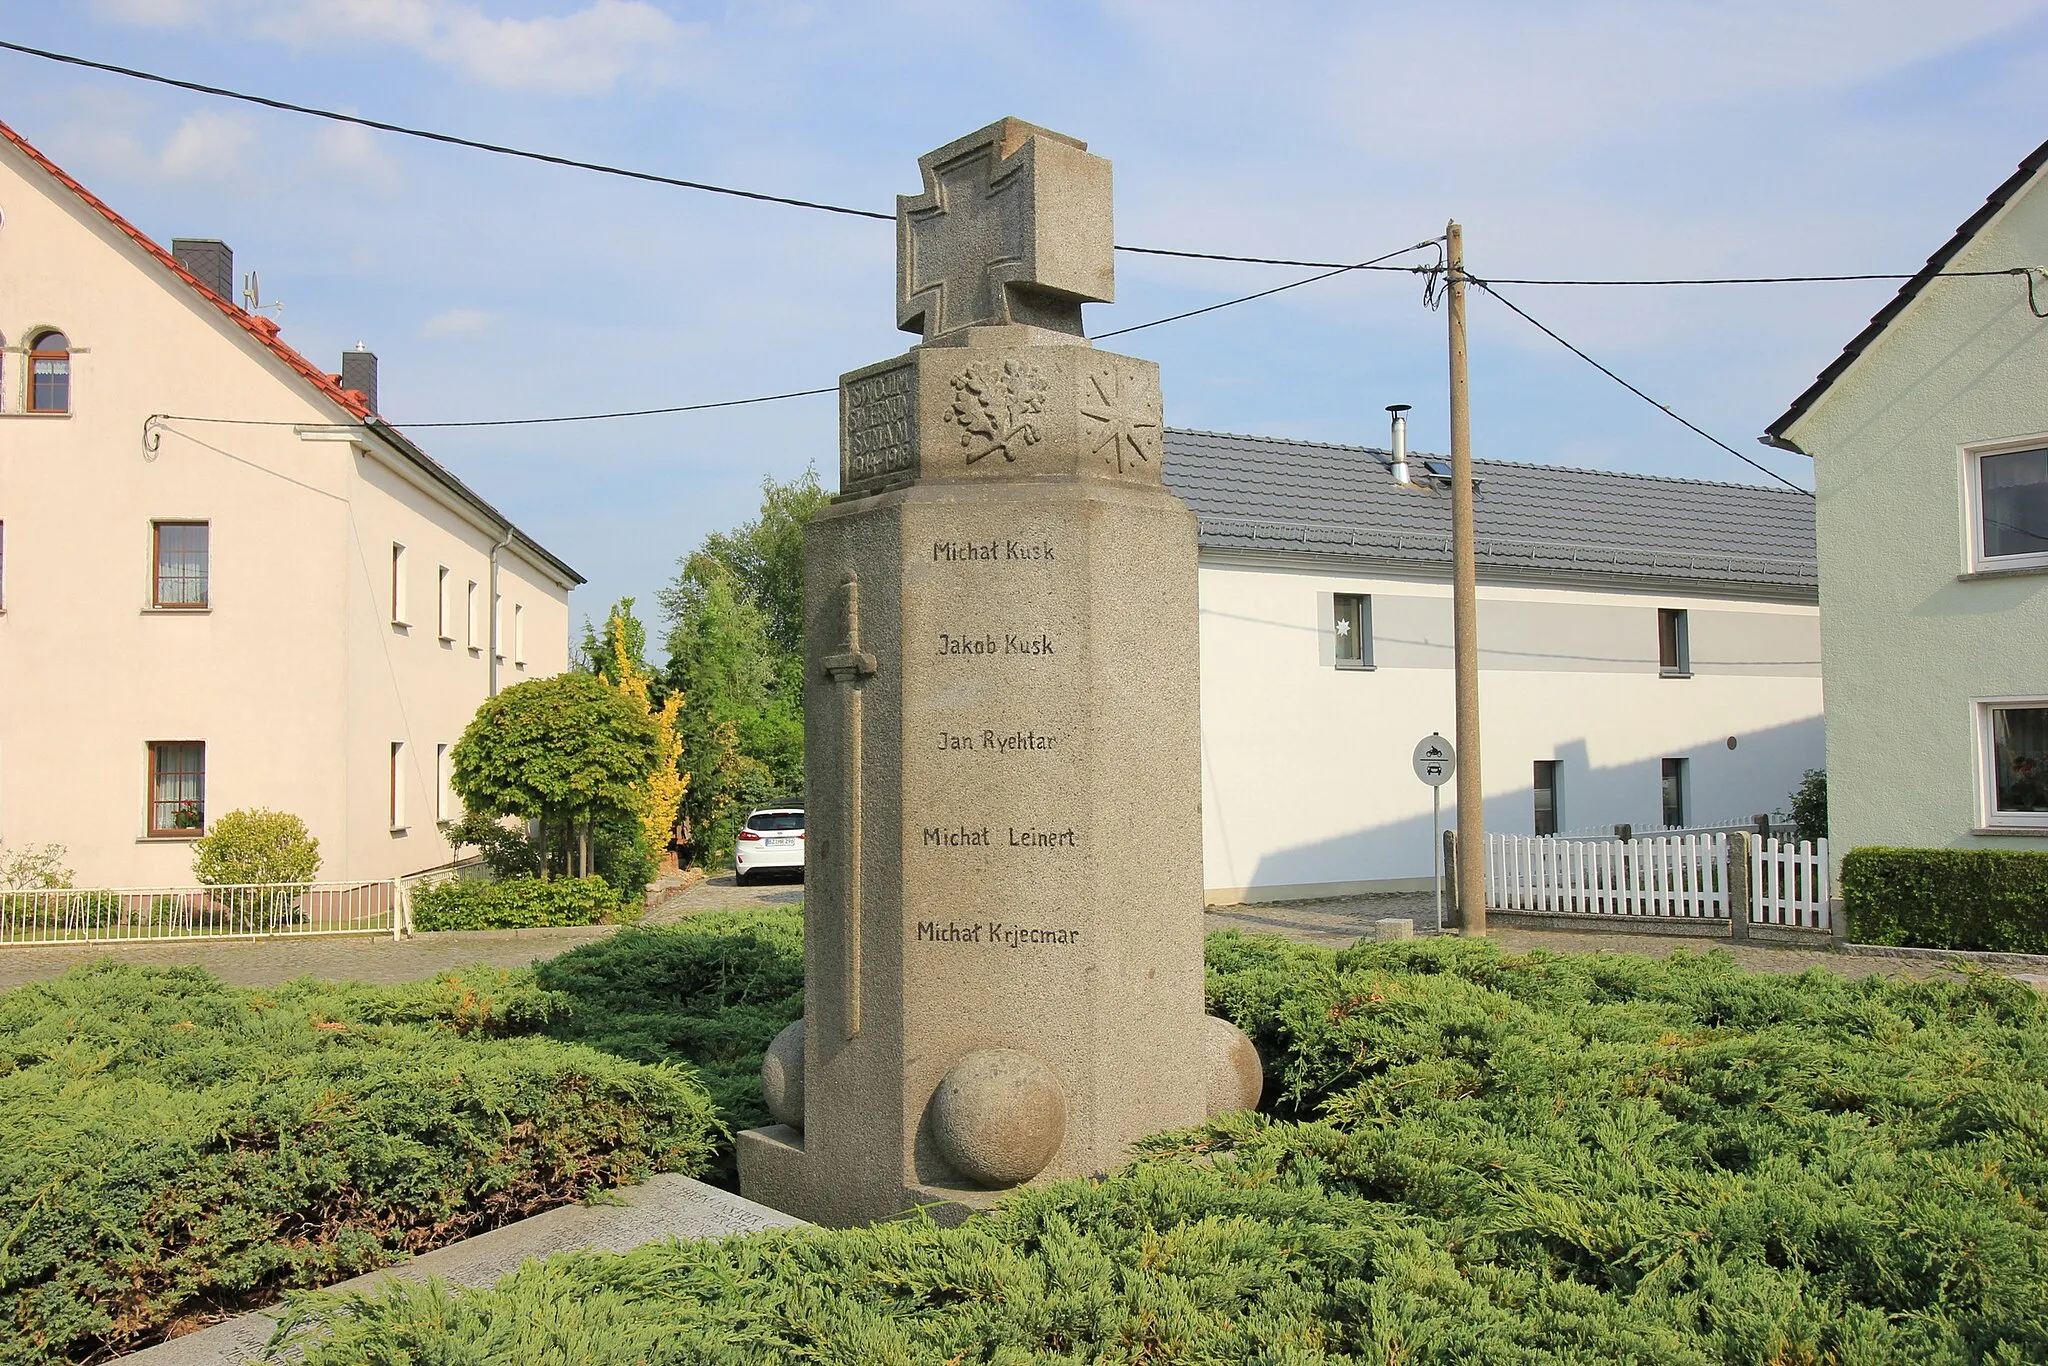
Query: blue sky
(1574, 138)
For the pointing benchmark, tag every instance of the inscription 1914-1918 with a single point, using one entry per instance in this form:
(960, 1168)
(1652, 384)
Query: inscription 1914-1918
(881, 414)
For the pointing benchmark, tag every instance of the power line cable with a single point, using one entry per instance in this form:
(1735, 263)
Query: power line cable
(573, 163)
(157, 418)
(1268, 293)
(706, 187)
(452, 140)
(1663, 408)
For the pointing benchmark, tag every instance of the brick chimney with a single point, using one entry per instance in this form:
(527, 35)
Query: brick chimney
(208, 259)
(359, 372)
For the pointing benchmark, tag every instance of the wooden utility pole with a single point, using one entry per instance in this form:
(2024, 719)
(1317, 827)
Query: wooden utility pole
(1471, 870)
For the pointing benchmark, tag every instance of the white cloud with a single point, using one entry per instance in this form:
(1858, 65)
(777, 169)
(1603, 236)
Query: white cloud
(206, 147)
(456, 322)
(356, 153)
(584, 51)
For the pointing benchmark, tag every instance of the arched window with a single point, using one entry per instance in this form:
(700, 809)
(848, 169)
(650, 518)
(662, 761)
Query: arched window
(49, 374)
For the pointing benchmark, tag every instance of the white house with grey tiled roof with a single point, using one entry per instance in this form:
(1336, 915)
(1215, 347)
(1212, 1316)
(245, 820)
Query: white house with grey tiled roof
(1649, 655)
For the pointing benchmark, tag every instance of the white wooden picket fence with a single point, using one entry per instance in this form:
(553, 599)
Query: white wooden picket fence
(1788, 883)
(1668, 877)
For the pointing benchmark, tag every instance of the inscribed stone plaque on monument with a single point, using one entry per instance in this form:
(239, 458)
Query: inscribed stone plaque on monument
(1003, 962)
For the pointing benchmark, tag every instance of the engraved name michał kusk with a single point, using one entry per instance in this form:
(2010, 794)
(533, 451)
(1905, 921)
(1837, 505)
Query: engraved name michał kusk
(992, 552)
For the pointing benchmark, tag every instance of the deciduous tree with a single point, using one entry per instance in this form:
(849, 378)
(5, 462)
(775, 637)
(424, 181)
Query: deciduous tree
(568, 750)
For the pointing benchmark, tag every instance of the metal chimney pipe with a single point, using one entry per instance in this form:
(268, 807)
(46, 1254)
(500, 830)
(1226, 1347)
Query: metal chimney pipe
(1400, 440)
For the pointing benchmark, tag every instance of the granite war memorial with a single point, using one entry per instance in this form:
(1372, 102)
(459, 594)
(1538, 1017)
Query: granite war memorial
(1003, 956)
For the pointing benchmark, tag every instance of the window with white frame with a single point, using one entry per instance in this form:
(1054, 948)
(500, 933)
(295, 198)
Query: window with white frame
(444, 609)
(444, 801)
(518, 635)
(1352, 626)
(2006, 495)
(473, 617)
(2013, 733)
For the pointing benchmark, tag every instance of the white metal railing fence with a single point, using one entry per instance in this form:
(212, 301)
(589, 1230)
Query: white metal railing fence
(1673, 877)
(133, 914)
(1788, 883)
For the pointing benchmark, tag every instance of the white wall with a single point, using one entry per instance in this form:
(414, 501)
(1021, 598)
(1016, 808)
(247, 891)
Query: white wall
(1307, 783)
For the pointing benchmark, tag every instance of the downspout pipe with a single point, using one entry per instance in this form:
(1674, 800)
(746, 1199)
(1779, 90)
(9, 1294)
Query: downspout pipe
(496, 643)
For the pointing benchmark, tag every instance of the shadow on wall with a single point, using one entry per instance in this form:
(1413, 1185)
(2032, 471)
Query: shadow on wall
(1724, 785)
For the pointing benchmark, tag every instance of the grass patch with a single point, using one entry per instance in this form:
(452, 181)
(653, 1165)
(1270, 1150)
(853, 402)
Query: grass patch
(177, 1149)
(1470, 1156)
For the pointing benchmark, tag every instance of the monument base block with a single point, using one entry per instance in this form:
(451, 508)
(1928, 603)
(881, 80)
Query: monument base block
(776, 1172)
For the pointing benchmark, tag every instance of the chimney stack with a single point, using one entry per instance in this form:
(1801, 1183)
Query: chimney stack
(208, 259)
(1399, 451)
(359, 372)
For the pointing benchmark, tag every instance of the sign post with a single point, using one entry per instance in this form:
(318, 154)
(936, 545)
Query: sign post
(1436, 762)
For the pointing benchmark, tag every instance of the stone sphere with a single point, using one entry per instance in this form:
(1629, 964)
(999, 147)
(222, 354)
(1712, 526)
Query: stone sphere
(782, 1076)
(1235, 1075)
(999, 1116)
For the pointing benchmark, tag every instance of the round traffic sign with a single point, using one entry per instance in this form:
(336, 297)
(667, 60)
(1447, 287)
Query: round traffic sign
(1436, 759)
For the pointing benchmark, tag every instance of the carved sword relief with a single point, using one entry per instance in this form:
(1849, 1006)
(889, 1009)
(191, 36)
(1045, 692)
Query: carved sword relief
(852, 666)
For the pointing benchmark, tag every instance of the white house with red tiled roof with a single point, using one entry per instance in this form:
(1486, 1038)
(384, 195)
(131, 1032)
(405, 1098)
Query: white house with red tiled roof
(295, 609)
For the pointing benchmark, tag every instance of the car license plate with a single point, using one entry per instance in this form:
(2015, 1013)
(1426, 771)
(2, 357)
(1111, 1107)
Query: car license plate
(780, 843)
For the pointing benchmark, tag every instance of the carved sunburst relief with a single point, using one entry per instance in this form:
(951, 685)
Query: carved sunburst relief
(1123, 417)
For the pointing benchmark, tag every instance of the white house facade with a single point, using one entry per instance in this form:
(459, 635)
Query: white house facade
(1929, 437)
(224, 582)
(1649, 655)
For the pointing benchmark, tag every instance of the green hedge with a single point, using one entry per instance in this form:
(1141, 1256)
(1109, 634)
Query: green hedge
(1469, 1156)
(516, 904)
(711, 991)
(1987, 899)
(176, 1149)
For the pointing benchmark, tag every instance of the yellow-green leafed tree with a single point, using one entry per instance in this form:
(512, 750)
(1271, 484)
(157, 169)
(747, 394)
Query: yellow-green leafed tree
(660, 798)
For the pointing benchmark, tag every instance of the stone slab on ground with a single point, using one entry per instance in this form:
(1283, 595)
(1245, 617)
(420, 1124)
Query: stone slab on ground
(668, 1206)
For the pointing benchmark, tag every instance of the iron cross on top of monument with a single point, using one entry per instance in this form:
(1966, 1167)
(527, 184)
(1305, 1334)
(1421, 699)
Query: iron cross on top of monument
(1013, 227)
(993, 263)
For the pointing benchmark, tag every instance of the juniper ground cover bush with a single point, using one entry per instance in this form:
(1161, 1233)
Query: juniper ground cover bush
(173, 1149)
(1470, 1156)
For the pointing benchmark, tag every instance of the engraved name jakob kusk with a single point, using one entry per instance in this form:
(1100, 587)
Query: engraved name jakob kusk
(996, 934)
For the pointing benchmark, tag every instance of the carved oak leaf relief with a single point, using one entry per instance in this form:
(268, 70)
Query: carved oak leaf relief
(1124, 421)
(998, 410)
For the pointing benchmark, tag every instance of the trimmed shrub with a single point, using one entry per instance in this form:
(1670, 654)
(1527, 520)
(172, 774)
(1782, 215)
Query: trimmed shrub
(178, 1149)
(250, 847)
(712, 991)
(522, 903)
(1495, 1159)
(1986, 899)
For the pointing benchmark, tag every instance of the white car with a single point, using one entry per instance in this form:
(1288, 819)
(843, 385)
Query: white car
(770, 838)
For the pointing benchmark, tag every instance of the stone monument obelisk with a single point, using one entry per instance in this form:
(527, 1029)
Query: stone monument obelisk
(1003, 958)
